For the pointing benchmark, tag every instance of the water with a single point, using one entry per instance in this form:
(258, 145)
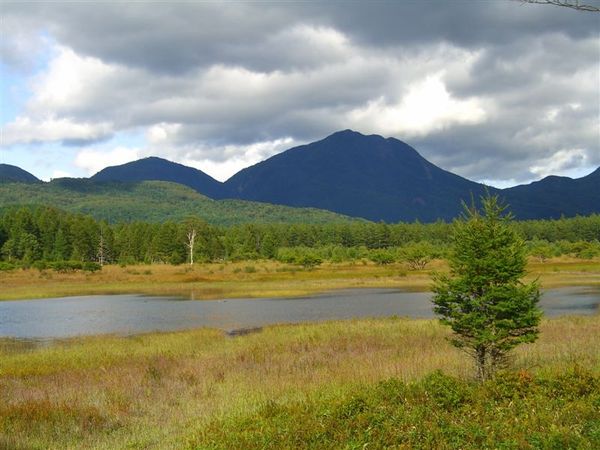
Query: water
(130, 314)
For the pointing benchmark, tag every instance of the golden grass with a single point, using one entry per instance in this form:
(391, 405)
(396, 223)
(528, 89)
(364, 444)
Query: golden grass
(155, 390)
(265, 279)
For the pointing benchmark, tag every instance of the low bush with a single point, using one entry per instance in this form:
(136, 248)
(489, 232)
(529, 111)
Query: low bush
(382, 256)
(6, 266)
(91, 267)
(513, 410)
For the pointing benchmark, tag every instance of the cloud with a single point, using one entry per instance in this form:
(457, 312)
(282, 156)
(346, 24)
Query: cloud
(483, 89)
(224, 162)
(427, 106)
(24, 130)
(219, 161)
(560, 161)
(59, 174)
(94, 160)
(69, 81)
(22, 43)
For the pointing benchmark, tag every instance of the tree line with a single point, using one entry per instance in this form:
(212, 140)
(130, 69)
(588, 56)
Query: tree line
(32, 234)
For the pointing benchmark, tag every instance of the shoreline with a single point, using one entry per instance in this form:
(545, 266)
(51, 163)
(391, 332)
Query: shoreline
(261, 279)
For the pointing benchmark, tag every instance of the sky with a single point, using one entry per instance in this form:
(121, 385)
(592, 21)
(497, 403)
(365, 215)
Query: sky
(496, 91)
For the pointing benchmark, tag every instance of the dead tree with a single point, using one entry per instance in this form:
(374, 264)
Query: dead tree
(191, 238)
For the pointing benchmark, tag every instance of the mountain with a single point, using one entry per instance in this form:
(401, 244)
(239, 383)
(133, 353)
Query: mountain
(369, 177)
(357, 175)
(159, 169)
(553, 197)
(12, 174)
(152, 201)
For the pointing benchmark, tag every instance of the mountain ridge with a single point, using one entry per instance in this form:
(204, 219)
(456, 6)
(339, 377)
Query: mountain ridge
(367, 176)
(11, 174)
(554, 196)
(160, 169)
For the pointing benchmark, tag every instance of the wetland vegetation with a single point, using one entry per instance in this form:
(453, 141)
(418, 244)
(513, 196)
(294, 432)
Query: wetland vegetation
(329, 385)
(338, 384)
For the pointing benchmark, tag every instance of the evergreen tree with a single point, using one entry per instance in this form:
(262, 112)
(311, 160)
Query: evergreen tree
(483, 299)
(62, 249)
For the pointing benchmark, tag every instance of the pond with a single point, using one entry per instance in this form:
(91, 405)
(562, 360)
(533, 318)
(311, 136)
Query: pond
(130, 314)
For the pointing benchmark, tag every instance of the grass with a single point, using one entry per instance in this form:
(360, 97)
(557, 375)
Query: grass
(341, 384)
(337, 384)
(260, 279)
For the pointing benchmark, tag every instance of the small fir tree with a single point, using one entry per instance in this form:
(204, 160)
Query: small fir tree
(483, 299)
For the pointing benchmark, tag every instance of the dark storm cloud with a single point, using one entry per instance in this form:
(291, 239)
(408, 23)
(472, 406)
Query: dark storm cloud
(466, 23)
(521, 80)
(177, 37)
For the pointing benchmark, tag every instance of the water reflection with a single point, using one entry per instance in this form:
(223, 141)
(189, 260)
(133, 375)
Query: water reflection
(129, 314)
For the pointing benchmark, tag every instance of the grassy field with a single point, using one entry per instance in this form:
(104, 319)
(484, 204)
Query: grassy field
(260, 279)
(329, 385)
(369, 383)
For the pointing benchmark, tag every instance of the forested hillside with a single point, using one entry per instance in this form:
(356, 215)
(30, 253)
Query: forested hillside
(152, 201)
(30, 235)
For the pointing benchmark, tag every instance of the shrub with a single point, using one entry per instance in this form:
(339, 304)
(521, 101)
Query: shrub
(588, 250)
(91, 267)
(445, 391)
(417, 255)
(66, 266)
(286, 255)
(40, 265)
(382, 256)
(6, 266)
(541, 250)
(309, 260)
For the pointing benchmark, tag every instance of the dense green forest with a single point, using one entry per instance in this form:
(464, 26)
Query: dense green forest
(153, 201)
(29, 235)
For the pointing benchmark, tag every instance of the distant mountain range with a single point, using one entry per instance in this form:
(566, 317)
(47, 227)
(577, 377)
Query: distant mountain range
(554, 196)
(362, 176)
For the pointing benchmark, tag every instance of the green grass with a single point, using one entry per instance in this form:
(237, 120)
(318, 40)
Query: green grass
(335, 385)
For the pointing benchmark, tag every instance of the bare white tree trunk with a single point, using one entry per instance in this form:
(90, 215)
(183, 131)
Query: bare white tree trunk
(101, 249)
(191, 236)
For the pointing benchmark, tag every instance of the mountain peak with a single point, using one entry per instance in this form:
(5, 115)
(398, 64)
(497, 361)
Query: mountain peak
(359, 175)
(159, 169)
(157, 159)
(346, 132)
(349, 134)
(14, 174)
